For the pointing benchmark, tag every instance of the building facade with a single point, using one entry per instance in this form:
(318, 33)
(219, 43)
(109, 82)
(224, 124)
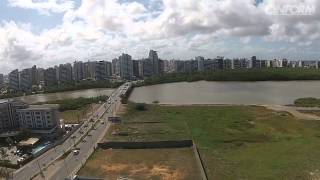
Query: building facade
(1, 81)
(9, 120)
(50, 77)
(25, 82)
(126, 68)
(39, 117)
(78, 70)
(200, 61)
(116, 67)
(65, 73)
(14, 81)
(154, 59)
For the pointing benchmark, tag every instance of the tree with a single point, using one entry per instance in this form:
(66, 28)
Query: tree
(4, 172)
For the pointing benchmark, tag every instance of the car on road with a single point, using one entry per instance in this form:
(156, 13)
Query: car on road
(75, 177)
(75, 151)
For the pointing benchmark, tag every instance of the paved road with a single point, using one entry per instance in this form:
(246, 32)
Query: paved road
(295, 111)
(34, 167)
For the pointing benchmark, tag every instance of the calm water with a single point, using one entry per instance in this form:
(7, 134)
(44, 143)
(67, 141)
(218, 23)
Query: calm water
(203, 92)
(65, 95)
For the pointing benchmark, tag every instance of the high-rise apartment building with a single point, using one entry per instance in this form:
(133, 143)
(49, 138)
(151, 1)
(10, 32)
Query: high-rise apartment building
(78, 70)
(65, 73)
(191, 66)
(1, 81)
(50, 77)
(116, 67)
(100, 70)
(219, 63)
(26, 80)
(153, 58)
(239, 64)
(34, 75)
(255, 62)
(14, 80)
(135, 66)
(108, 68)
(178, 66)
(40, 75)
(200, 61)
(126, 67)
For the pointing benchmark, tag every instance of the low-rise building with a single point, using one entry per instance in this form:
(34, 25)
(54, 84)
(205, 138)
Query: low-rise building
(41, 119)
(9, 120)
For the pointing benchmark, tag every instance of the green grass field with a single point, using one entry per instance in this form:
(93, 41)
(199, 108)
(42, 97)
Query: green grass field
(72, 116)
(236, 142)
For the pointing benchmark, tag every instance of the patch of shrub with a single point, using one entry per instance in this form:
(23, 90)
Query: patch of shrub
(140, 107)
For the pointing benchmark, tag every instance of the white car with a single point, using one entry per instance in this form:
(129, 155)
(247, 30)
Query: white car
(75, 152)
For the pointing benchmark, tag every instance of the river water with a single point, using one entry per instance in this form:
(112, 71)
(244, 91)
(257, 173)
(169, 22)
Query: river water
(64, 95)
(203, 92)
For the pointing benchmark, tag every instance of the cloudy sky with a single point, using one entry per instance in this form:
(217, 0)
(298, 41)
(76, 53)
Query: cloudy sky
(49, 32)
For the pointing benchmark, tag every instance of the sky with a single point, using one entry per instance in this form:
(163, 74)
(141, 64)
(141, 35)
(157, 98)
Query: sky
(50, 32)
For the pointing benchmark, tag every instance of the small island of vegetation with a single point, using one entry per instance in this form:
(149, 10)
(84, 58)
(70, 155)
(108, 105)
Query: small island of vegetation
(72, 86)
(307, 102)
(73, 110)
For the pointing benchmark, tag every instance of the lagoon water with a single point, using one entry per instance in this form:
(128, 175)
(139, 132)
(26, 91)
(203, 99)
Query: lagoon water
(203, 92)
(64, 95)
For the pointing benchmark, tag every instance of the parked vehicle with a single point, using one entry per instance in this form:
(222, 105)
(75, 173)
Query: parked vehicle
(76, 151)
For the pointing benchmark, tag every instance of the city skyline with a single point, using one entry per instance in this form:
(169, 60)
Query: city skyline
(147, 57)
(56, 32)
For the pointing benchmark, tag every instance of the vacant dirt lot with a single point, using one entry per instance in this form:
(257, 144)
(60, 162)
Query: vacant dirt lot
(165, 164)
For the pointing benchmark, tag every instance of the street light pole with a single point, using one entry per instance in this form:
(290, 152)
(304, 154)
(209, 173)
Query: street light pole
(64, 160)
(41, 172)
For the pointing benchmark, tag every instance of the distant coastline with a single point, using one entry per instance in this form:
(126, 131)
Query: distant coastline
(245, 75)
(66, 88)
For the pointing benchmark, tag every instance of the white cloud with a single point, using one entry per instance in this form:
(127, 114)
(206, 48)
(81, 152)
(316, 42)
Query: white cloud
(177, 29)
(45, 7)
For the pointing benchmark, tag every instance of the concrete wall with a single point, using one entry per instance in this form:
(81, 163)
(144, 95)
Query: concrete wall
(200, 163)
(146, 145)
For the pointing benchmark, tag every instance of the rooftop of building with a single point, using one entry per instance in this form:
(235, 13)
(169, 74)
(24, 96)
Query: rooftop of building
(28, 142)
(4, 101)
(42, 107)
